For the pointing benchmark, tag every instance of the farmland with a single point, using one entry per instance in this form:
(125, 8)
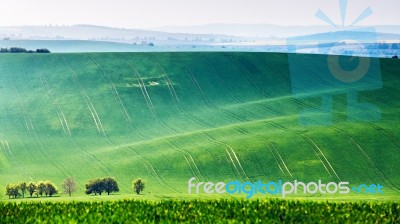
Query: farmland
(195, 211)
(167, 117)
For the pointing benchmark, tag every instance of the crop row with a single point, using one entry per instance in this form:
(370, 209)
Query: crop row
(195, 211)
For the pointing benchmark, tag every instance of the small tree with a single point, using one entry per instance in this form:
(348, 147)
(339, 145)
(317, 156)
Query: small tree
(138, 185)
(110, 185)
(69, 185)
(23, 187)
(31, 187)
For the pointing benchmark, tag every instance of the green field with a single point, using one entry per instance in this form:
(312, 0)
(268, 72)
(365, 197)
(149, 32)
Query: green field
(195, 211)
(167, 117)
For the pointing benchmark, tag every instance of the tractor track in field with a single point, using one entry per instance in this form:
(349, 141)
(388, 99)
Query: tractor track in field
(105, 136)
(114, 91)
(29, 124)
(153, 171)
(125, 111)
(227, 90)
(6, 148)
(342, 103)
(89, 103)
(174, 95)
(166, 78)
(257, 88)
(64, 122)
(286, 79)
(189, 159)
(320, 155)
(295, 100)
(378, 172)
(220, 82)
(275, 153)
(277, 162)
(315, 148)
(386, 133)
(145, 161)
(283, 161)
(146, 95)
(10, 157)
(94, 115)
(232, 156)
(247, 74)
(204, 97)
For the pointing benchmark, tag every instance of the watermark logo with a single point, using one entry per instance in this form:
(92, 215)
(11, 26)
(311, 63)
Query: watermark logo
(337, 71)
(279, 188)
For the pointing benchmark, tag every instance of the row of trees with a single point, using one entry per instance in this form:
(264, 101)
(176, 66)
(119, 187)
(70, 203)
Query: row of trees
(69, 186)
(109, 185)
(23, 50)
(40, 188)
(100, 185)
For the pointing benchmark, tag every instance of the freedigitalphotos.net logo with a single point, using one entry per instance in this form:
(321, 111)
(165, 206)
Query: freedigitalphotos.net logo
(331, 73)
(280, 188)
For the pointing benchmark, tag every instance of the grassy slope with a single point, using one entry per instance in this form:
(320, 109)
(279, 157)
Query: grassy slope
(167, 117)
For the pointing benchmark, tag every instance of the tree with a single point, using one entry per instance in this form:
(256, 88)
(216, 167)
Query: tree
(22, 186)
(89, 187)
(12, 190)
(17, 50)
(138, 185)
(41, 188)
(69, 185)
(31, 187)
(95, 186)
(23, 50)
(100, 185)
(42, 50)
(395, 57)
(110, 185)
(50, 189)
(8, 190)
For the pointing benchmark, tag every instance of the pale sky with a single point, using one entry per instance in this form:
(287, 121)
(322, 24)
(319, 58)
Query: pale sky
(153, 13)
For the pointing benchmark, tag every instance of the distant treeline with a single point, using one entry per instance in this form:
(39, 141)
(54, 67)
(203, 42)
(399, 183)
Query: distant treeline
(23, 50)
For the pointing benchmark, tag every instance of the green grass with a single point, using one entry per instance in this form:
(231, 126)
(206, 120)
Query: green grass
(167, 117)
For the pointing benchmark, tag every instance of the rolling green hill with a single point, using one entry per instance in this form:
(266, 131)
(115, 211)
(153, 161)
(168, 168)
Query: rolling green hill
(167, 117)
